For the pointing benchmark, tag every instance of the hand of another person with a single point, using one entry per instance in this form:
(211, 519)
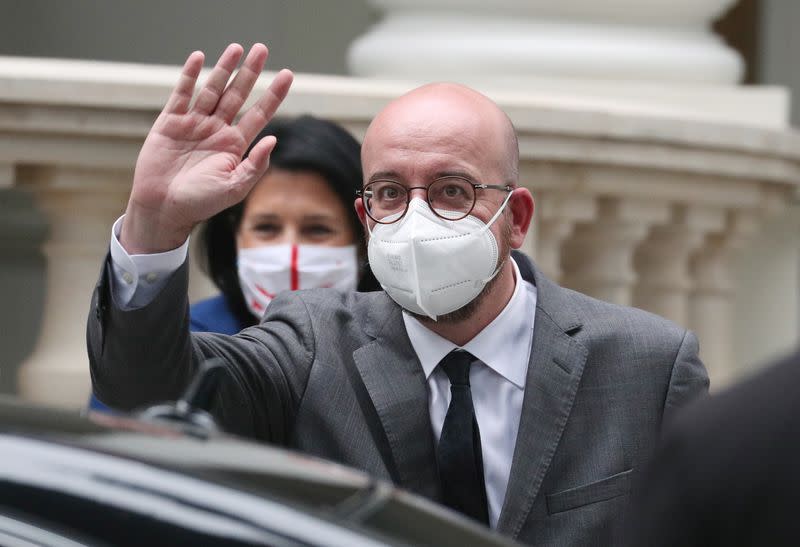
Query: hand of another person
(190, 165)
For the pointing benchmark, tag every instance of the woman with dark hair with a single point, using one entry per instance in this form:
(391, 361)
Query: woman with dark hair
(296, 229)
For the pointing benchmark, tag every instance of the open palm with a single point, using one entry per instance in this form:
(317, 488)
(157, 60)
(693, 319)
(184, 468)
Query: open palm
(190, 165)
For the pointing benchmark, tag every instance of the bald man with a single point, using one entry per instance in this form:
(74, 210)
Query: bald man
(471, 379)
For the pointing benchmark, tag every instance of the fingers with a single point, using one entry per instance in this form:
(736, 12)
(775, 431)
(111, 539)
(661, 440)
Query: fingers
(209, 95)
(178, 102)
(260, 113)
(234, 97)
(226, 103)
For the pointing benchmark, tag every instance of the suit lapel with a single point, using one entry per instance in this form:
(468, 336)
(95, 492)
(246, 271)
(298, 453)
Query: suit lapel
(554, 372)
(395, 382)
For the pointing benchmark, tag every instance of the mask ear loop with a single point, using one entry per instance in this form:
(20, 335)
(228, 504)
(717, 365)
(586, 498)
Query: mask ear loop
(498, 213)
(500, 266)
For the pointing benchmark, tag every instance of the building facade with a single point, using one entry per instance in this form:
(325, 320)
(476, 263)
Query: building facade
(661, 181)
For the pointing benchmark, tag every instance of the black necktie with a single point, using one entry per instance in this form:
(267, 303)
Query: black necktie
(459, 452)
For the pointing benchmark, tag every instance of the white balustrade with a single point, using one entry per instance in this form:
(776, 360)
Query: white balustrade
(598, 258)
(621, 191)
(662, 261)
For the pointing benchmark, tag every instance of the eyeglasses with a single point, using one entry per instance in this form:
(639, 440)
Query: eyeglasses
(450, 198)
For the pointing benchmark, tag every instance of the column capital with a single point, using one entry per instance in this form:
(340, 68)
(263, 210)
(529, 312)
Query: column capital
(509, 40)
(557, 213)
(555, 205)
(654, 11)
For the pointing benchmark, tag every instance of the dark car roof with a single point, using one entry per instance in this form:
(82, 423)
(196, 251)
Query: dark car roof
(56, 462)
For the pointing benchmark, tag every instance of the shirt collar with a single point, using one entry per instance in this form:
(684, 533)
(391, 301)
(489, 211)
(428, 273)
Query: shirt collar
(504, 345)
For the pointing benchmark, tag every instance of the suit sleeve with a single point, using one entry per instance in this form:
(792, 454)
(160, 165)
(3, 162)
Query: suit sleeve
(147, 355)
(689, 379)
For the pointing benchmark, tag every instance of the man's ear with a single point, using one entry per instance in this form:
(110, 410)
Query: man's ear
(521, 205)
(362, 214)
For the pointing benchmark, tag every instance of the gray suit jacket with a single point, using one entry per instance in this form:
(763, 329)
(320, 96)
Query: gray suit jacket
(335, 375)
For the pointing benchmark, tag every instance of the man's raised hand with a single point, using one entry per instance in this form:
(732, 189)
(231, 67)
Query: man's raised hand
(190, 165)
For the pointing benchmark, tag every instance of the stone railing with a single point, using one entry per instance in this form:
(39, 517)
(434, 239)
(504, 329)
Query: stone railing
(634, 205)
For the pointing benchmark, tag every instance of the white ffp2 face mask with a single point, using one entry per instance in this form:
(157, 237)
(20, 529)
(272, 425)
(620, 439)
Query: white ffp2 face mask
(433, 266)
(266, 271)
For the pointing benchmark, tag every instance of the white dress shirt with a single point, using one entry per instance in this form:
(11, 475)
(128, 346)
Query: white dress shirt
(138, 279)
(497, 384)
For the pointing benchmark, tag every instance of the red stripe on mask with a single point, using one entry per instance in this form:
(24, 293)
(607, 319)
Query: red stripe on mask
(265, 292)
(295, 275)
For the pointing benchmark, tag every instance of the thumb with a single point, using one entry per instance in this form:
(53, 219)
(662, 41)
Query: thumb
(253, 167)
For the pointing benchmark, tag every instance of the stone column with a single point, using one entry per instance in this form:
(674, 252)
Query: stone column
(662, 261)
(711, 305)
(81, 206)
(22, 230)
(557, 216)
(598, 258)
(506, 42)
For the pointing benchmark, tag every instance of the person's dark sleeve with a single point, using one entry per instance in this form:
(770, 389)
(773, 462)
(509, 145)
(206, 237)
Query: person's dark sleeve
(664, 509)
(146, 355)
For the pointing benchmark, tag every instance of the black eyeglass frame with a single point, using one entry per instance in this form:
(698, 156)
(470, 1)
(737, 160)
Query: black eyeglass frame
(360, 193)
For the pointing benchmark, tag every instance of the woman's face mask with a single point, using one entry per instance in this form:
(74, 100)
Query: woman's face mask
(265, 271)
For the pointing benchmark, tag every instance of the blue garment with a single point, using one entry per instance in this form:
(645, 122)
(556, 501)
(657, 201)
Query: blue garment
(209, 315)
(213, 315)
(98, 406)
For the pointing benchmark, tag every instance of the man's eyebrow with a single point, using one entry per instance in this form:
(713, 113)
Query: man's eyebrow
(393, 175)
(461, 174)
(380, 175)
